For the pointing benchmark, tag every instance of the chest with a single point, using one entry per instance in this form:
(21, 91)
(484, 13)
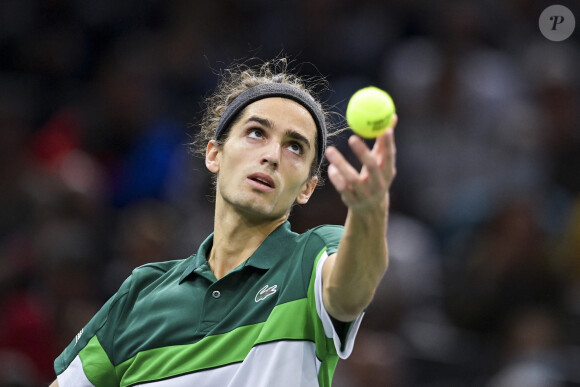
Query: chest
(197, 308)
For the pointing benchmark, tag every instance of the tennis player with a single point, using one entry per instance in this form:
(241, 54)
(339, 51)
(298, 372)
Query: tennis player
(257, 305)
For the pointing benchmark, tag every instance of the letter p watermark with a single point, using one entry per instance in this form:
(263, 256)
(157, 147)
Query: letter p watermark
(557, 23)
(557, 20)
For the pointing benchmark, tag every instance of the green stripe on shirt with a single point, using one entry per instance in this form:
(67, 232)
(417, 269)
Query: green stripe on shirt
(219, 350)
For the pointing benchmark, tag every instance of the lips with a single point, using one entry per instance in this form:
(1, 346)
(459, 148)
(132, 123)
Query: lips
(263, 179)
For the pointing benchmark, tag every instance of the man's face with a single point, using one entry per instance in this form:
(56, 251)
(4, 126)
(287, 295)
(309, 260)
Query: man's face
(265, 163)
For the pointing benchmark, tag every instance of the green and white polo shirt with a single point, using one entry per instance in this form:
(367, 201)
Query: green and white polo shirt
(174, 324)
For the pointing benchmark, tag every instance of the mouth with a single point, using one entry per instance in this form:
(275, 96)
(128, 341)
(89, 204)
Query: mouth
(263, 181)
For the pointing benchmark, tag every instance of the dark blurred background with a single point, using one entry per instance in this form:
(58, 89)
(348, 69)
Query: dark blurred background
(96, 103)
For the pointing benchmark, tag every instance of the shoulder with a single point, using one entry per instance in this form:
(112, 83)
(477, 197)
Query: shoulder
(324, 237)
(328, 231)
(328, 234)
(157, 268)
(151, 273)
(142, 281)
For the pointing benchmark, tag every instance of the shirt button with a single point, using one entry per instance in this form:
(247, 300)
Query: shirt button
(216, 294)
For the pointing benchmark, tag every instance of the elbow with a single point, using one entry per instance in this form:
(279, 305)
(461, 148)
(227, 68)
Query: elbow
(347, 308)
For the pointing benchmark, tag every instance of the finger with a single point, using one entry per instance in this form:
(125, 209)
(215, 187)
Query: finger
(385, 148)
(336, 178)
(346, 193)
(394, 122)
(387, 137)
(389, 154)
(348, 173)
(368, 159)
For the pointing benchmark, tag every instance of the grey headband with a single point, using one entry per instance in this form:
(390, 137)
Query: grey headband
(268, 90)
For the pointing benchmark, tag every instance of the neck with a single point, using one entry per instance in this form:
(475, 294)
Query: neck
(236, 237)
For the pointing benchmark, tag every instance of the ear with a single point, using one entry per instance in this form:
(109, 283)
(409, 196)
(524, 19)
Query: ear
(307, 190)
(212, 159)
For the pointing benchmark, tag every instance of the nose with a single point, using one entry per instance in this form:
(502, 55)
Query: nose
(272, 155)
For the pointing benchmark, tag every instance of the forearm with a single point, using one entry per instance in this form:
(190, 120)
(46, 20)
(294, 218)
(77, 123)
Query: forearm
(351, 276)
(359, 264)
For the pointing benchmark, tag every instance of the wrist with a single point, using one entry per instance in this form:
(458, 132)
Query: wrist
(377, 208)
(371, 218)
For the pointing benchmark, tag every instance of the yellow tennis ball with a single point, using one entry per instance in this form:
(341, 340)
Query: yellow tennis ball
(370, 111)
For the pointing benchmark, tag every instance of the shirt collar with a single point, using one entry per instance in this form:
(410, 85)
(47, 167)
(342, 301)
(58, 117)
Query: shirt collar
(198, 262)
(263, 258)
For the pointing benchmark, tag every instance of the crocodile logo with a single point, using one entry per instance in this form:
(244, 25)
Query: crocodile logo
(265, 292)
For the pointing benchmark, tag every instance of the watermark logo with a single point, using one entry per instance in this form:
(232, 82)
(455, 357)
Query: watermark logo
(557, 23)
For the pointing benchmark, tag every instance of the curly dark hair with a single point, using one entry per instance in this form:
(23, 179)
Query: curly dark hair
(239, 77)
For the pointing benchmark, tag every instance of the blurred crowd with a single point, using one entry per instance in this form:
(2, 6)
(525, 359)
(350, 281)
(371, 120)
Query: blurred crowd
(98, 100)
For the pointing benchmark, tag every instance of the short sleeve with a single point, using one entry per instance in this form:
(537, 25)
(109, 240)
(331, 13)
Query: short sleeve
(327, 239)
(330, 235)
(344, 342)
(86, 361)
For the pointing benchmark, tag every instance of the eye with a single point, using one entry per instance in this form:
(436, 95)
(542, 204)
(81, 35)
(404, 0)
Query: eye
(295, 148)
(255, 133)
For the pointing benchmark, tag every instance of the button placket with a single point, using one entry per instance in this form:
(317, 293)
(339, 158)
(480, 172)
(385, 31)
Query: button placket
(212, 310)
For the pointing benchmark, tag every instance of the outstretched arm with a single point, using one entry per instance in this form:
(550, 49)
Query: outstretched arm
(351, 275)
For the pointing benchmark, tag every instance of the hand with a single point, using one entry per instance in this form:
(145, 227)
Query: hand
(367, 190)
